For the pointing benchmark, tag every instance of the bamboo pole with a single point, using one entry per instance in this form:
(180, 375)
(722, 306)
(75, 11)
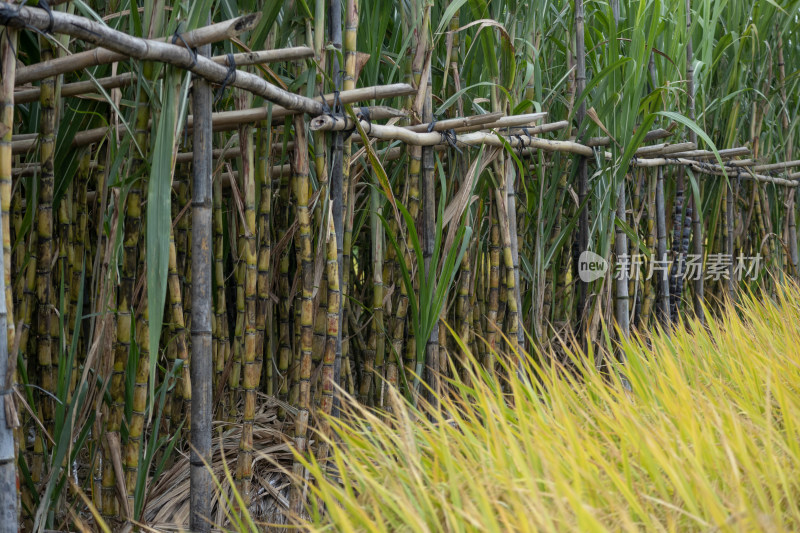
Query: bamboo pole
(335, 123)
(151, 50)
(83, 88)
(652, 135)
(708, 154)
(293, 53)
(231, 120)
(201, 369)
(101, 56)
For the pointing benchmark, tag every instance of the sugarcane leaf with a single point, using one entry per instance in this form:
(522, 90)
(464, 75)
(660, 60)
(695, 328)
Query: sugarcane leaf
(159, 216)
(448, 14)
(377, 167)
(692, 125)
(633, 236)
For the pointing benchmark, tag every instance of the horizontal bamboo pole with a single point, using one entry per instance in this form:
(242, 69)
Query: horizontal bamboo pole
(80, 88)
(505, 122)
(266, 56)
(392, 133)
(777, 166)
(713, 169)
(452, 123)
(229, 120)
(708, 154)
(333, 123)
(151, 50)
(653, 135)
(542, 128)
(102, 56)
(233, 119)
(665, 149)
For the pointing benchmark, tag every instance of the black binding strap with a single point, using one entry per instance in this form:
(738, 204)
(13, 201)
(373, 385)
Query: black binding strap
(230, 77)
(178, 37)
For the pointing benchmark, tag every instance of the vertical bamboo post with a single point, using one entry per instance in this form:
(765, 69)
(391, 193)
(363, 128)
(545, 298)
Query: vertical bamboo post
(697, 241)
(201, 369)
(583, 179)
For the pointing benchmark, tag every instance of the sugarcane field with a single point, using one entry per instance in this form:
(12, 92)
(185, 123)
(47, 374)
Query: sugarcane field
(366, 265)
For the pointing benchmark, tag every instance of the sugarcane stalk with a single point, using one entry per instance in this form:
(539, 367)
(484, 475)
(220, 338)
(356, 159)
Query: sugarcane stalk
(676, 271)
(464, 311)
(8, 456)
(331, 334)
(264, 315)
(235, 376)
(306, 306)
(697, 242)
(183, 390)
(661, 254)
(493, 299)
(791, 216)
(182, 231)
(511, 213)
(64, 263)
(649, 288)
(284, 315)
(223, 347)
(512, 323)
(428, 231)
(251, 371)
(348, 83)
(583, 179)
(49, 118)
(8, 371)
(78, 253)
(130, 248)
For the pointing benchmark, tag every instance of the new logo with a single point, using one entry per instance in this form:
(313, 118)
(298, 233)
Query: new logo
(591, 266)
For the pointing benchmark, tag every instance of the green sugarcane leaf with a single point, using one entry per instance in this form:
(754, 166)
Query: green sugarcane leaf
(159, 216)
(692, 125)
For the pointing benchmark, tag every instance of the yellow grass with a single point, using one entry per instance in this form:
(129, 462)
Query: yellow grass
(706, 438)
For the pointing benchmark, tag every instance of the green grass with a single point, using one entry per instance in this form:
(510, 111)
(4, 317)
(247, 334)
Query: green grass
(705, 437)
